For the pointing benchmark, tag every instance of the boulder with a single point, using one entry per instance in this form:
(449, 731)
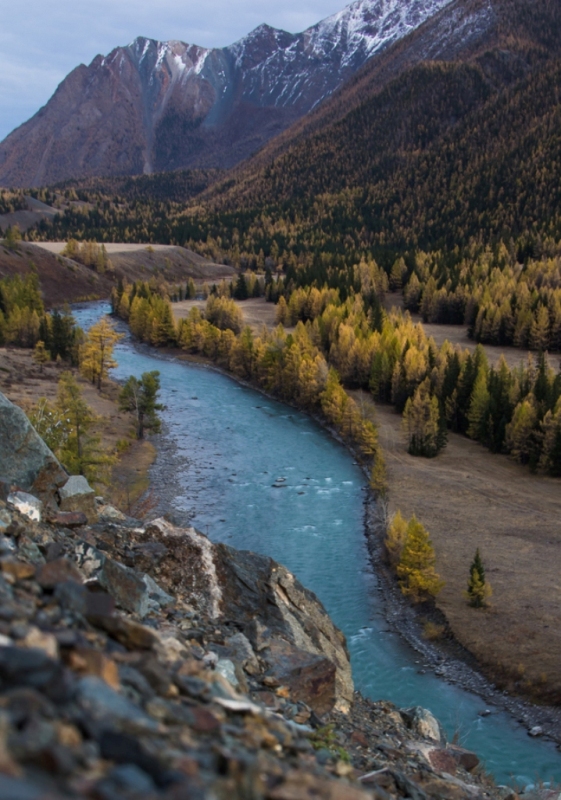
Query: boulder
(25, 458)
(466, 759)
(67, 519)
(58, 571)
(311, 678)
(265, 601)
(106, 706)
(423, 723)
(5, 520)
(77, 495)
(27, 504)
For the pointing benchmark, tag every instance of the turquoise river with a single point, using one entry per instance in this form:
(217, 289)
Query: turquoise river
(229, 445)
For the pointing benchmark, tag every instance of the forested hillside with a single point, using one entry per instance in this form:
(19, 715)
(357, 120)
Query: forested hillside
(453, 165)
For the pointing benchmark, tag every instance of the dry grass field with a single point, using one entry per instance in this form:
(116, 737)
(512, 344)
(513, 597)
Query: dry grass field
(468, 498)
(142, 261)
(62, 280)
(457, 334)
(256, 311)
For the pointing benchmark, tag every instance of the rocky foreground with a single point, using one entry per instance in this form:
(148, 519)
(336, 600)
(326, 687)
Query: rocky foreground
(140, 660)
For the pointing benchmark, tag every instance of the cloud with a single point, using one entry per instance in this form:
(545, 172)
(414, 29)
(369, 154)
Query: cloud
(44, 42)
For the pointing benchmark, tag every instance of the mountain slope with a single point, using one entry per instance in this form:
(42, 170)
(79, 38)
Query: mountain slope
(428, 148)
(157, 106)
(438, 155)
(392, 95)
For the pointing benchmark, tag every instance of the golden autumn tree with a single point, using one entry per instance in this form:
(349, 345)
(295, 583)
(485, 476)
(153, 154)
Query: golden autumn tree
(416, 568)
(96, 354)
(421, 423)
(395, 538)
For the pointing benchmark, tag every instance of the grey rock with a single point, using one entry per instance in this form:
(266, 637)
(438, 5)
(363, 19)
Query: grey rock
(248, 588)
(28, 550)
(227, 669)
(105, 705)
(309, 676)
(423, 723)
(89, 559)
(122, 748)
(71, 596)
(241, 650)
(109, 512)
(27, 667)
(77, 495)
(32, 739)
(125, 585)
(58, 571)
(75, 485)
(16, 789)
(128, 778)
(5, 520)
(25, 458)
(135, 680)
(7, 545)
(27, 504)
(132, 635)
(157, 598)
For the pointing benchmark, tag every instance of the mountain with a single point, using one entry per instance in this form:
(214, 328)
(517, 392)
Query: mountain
(158, 106)
(440, 138)
(448, 137)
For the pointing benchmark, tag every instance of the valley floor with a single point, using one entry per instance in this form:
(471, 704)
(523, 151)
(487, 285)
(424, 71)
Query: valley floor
(468, 497)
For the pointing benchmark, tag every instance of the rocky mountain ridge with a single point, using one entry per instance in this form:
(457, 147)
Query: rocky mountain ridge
(158, 106)
(139, 660)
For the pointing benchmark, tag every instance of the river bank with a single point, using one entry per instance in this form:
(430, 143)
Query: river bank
(146, 660)
(219, 441)
(446, 656)
(469, 498)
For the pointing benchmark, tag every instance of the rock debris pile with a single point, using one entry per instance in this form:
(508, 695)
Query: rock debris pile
(140, 660)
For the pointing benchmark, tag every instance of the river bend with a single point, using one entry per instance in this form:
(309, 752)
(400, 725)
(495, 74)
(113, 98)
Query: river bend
(258, 475)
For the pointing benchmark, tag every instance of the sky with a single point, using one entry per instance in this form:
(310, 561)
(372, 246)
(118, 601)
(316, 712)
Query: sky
(41, 42)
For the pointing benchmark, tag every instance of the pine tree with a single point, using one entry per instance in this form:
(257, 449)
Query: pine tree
(241, 292)
(80, 453)
(550, 459)
(281, 315)
(479, 589)
(539, 330)
(397, 274)
(139, 397)
(12, 237)
(378, 476)
(521, 432)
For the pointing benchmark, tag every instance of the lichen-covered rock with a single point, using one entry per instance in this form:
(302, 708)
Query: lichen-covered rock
(25, 459)
(423, 723)
(246, 587)
(77, 495)
(27, 504)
